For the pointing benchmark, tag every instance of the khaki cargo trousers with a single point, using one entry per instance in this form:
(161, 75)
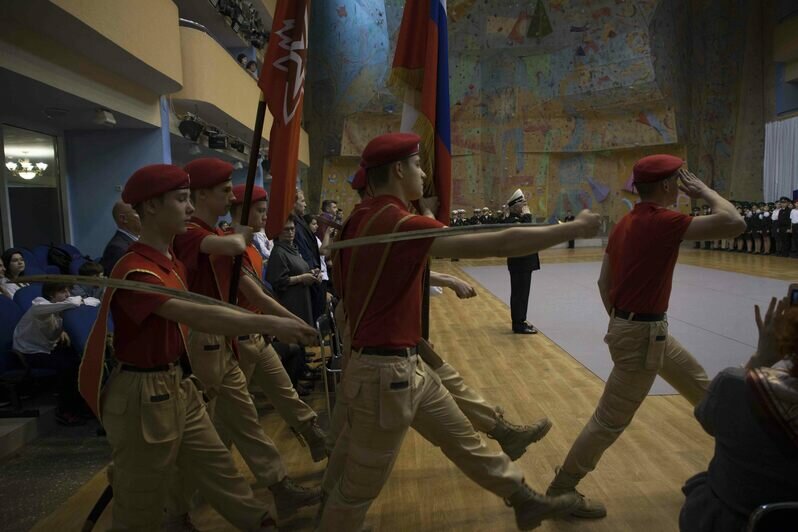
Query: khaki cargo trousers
(640, 351)
(157, 424)
(383, 397)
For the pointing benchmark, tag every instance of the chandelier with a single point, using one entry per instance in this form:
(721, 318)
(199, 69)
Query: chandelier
(25, 169)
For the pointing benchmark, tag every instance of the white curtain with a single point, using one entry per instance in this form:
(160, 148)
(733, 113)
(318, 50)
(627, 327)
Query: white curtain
(781, 159)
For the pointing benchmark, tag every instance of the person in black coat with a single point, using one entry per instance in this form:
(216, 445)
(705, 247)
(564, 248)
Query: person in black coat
(783, 227)
(128, 228)
(305, 242)
(569, 217)
(521, 269)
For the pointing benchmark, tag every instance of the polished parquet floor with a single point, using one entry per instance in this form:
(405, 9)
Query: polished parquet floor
(639, 478)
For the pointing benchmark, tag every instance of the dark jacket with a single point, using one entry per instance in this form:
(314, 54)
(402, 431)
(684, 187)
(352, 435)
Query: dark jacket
(114, 250)
(751, 465)
(527, 263)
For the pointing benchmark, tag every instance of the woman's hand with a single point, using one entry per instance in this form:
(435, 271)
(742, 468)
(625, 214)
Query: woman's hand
(307, 279)
(767, 350)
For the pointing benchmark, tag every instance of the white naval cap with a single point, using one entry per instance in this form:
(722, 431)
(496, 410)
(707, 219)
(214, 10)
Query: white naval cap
(517, 197)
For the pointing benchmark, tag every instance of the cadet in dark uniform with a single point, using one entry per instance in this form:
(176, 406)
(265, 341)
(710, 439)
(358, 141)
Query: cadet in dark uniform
(521, 269)
(749, 229)
(696, 212)
(474, 220)
(569, 217)
(767, 235)
(706, 211)
(783, 226)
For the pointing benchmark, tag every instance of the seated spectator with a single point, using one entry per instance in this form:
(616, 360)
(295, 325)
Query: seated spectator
(128, 226)
(89, 269)
(252, 68)
(15, 268)
(290, 276)
(242, 60)
(752, 413)
(40, 337)
(3, 281)
(224, 225)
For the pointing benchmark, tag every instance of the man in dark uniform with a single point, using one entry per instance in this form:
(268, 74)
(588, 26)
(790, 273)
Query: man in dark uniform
(569, 217)
(474, 220)
(706, 210)
(521, 268)
(696, 212)
(783, 226)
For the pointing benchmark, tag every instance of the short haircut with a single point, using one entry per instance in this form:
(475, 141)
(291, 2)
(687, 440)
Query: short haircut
(90, 268)
(309, 218)
(50, 289)
(378, 176)
(326, 203)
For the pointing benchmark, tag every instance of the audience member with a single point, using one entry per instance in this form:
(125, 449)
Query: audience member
(15, 268)
(794, 229)
(90, 269)
(329, 213)
(290, 275)
(3, 281)
(305, 242)
(128, 226)
(324, 244)
(252, 68)
(752, 413)
(40, 337)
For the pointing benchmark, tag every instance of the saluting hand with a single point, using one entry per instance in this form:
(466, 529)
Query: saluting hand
(588, 223)
(690, 184)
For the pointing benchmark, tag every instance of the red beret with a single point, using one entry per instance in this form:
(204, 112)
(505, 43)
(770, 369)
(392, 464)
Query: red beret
(358, 181)
(389, 148)
(153, 181)
(258, 194)
(208, 172)
(656, 168)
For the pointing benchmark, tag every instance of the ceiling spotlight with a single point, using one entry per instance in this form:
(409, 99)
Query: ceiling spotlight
(217, 141)
(104, 117)
(190, 129)
(238, 146)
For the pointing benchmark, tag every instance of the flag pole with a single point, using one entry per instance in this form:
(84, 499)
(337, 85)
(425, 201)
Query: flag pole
(254, 151)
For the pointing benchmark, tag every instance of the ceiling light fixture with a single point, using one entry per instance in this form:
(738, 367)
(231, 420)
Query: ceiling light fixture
(26, 169)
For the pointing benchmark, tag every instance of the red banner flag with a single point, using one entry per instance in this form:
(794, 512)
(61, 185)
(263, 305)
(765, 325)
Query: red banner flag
(282, 81)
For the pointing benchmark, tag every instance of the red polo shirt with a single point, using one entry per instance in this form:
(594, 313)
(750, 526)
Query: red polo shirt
(201, 277)
(643, 249)
(141, 337)
(393, 316)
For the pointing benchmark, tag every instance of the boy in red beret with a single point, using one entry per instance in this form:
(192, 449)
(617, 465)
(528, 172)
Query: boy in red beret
(635, 286)
(259, 361)
(387, 387)
(208, 255)
(154, 417)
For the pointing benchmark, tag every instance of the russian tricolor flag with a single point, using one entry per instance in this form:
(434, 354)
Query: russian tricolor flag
(420, 75)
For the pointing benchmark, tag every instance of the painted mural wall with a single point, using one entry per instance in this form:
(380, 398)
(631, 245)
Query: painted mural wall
(560, 97)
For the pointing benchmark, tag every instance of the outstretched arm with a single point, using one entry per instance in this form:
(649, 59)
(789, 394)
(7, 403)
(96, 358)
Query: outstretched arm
(516, 241)
(228, 322)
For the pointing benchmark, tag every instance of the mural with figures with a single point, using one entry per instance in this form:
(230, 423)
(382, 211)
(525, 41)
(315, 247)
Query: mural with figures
(560, 97)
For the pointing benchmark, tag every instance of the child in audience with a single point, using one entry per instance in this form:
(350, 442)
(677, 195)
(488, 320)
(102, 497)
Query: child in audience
(15, 268)
(40, 337)
(89, 269)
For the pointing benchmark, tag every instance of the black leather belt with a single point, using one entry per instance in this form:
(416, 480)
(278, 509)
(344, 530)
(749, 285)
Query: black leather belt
(390, 351)
(638, 317)
(154, 369)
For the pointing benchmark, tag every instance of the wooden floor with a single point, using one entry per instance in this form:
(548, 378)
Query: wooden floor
(639, 478)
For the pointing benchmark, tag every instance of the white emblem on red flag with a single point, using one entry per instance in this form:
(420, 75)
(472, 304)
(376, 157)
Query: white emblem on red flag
(293, 62)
